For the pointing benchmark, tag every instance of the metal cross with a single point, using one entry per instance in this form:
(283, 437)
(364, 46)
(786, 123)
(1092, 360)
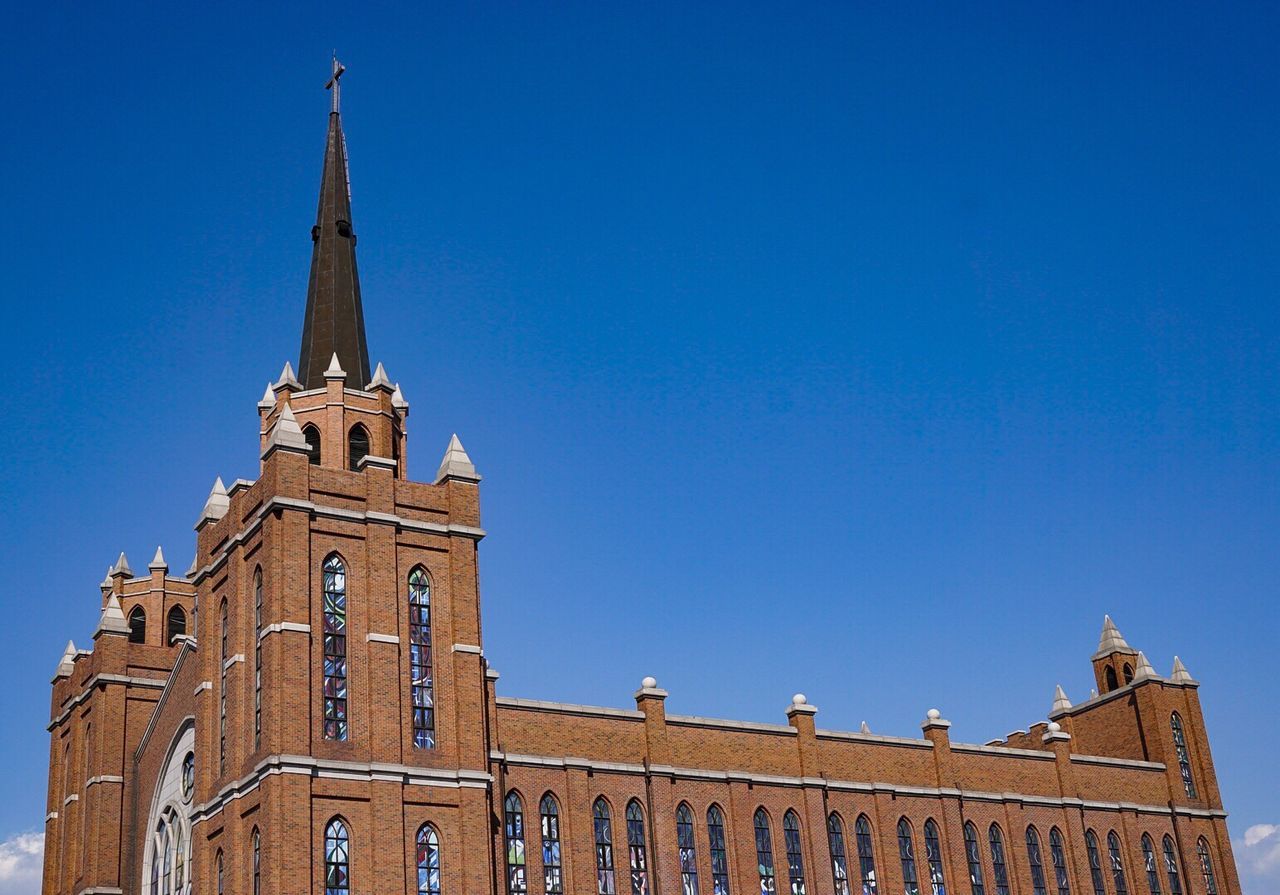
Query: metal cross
(332, 84)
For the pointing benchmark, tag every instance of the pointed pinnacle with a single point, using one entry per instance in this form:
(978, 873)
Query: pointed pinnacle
(1060, 701)
(456, 464)
(121, 567)
(218, 503)
(113, 620)
(268, 397)
(865, 727)
(379, 380)
(106, 582)
(66, 665)
(157, 561)
(335, 370)
(287, 379)
(1111, 641)
(1180, 673)
(397, 399)
(1144, 668)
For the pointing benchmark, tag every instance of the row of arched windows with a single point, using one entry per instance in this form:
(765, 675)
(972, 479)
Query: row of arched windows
(1046, 868)
(176, 624)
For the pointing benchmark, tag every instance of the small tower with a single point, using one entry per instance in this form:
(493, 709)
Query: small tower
(1115, 663)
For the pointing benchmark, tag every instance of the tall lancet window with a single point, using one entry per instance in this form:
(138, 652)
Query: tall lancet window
(933, 856)
(337, 858)
(687, 850)
(1150, 865)
(764, 853)
(636, 853)
(839, 859)
(222, 692)
(795, 856)
(513, 814)
(719, 851)
(421, 695)
(866, 855)
(998, 868)
(1058, 852)
(1184, 760)
(312, 436)
(1206, 867)
(137, 625)
(1095, 863)
(428, 843)
(974, 856)
(1036, 860)
(552, 870)
(357, 445)
(1171, 867)
(257, 659)
(335, 648)
(907, 855)
(605, 884)
(1117, 865)
(176, 624)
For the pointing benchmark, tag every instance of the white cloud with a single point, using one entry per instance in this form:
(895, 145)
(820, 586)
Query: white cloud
(21, 861)
(1258, 859)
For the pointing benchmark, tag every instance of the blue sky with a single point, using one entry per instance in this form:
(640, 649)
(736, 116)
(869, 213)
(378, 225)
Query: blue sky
(866, 352)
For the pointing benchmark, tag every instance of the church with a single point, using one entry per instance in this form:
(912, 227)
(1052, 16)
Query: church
(310, 709)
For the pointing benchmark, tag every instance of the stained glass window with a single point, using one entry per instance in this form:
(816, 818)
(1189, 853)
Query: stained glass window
(1117, 866)
(180, 859)
(1095, 863)
(866, 855)
(188, 776)
(839, 861)
(604, 848)
(257, 862)
(222, 693)
(907, 855)
(357, 446)
(1206, 867)
(933, 855)
(998, 868)
(513, 812)
(635, 849)
(337, 858)
(1036, 860)
(1171, 867)
(552, 876)
(421, 685)
(1059, 855)
(687, 849)
(166, 852)
(137, 625)
(428, 854)
(1184, 760)
(217, 862)
(974, 857)
(176, 625)
(719, 854)
(764, 853)
(257, 659)
(335, 648)
(1149, 864)
(792, 840)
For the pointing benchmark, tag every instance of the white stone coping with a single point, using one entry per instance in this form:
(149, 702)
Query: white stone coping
(468, 648)
(282, 627)
(306, 765)
(877, 738)
(103, 778)
(319, 510)
(751, 726)
(74, 797)
(565, 708)
(1119, 762)
(91, 684)
(52, 815)
(238, 657)
(202, 686)
(1003, 750)
(101, 890)
(1118, 692)
(381, 638)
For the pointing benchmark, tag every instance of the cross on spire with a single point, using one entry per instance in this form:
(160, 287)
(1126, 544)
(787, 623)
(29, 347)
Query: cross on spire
(332, 83)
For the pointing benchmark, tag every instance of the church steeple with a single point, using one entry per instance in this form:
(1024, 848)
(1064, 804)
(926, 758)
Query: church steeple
(335, 319)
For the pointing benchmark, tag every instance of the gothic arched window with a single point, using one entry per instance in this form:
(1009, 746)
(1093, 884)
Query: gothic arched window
(552, 878)
(335, 648)
(257, 862)
(513, 814)
(257, 658)
(604, 848)
(337, 858)
(974, 857)
(719, 853)
(421, 688)
(839, 861)
(217, 862)
(357, 446)
(933, 855)
(793, 843)
(866, 855)
(1117, 865)
(137, 625)
(1206, 867)
(312, 436)
(222, 690)
(1171, 867)
(907, 856)
(635, 849)
(1128, 673)
(1149, 864)
(687, 850)
(1184, 760)
(1059, 855)
(1036, 861)
(1112, 683)
(176, 624)
(764, 853)
(1095, 863)
(428, 855)
(998, 868)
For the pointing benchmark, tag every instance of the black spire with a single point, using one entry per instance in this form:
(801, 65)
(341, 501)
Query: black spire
(335, 319)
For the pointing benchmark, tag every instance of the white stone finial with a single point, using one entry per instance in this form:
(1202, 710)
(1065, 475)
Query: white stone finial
(288, 379)
(106, 582)
(799, 699)
(649, 683)
(268, 398)
(157, 561)
(121, 567)
(865, 728)
(456, 464)
(335, 370)
(1180, 673)
(1144, 668)
(379, 380)
(1054, 727)
(1060, 701)
(398, 401)
(113, 620)
(933, 714)
(67, 664)
(218, 503)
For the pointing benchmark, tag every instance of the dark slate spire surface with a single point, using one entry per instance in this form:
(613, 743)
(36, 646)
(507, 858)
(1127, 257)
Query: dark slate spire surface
(335, 319)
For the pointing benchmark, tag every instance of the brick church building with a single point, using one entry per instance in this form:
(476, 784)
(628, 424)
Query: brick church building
(310, 709)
